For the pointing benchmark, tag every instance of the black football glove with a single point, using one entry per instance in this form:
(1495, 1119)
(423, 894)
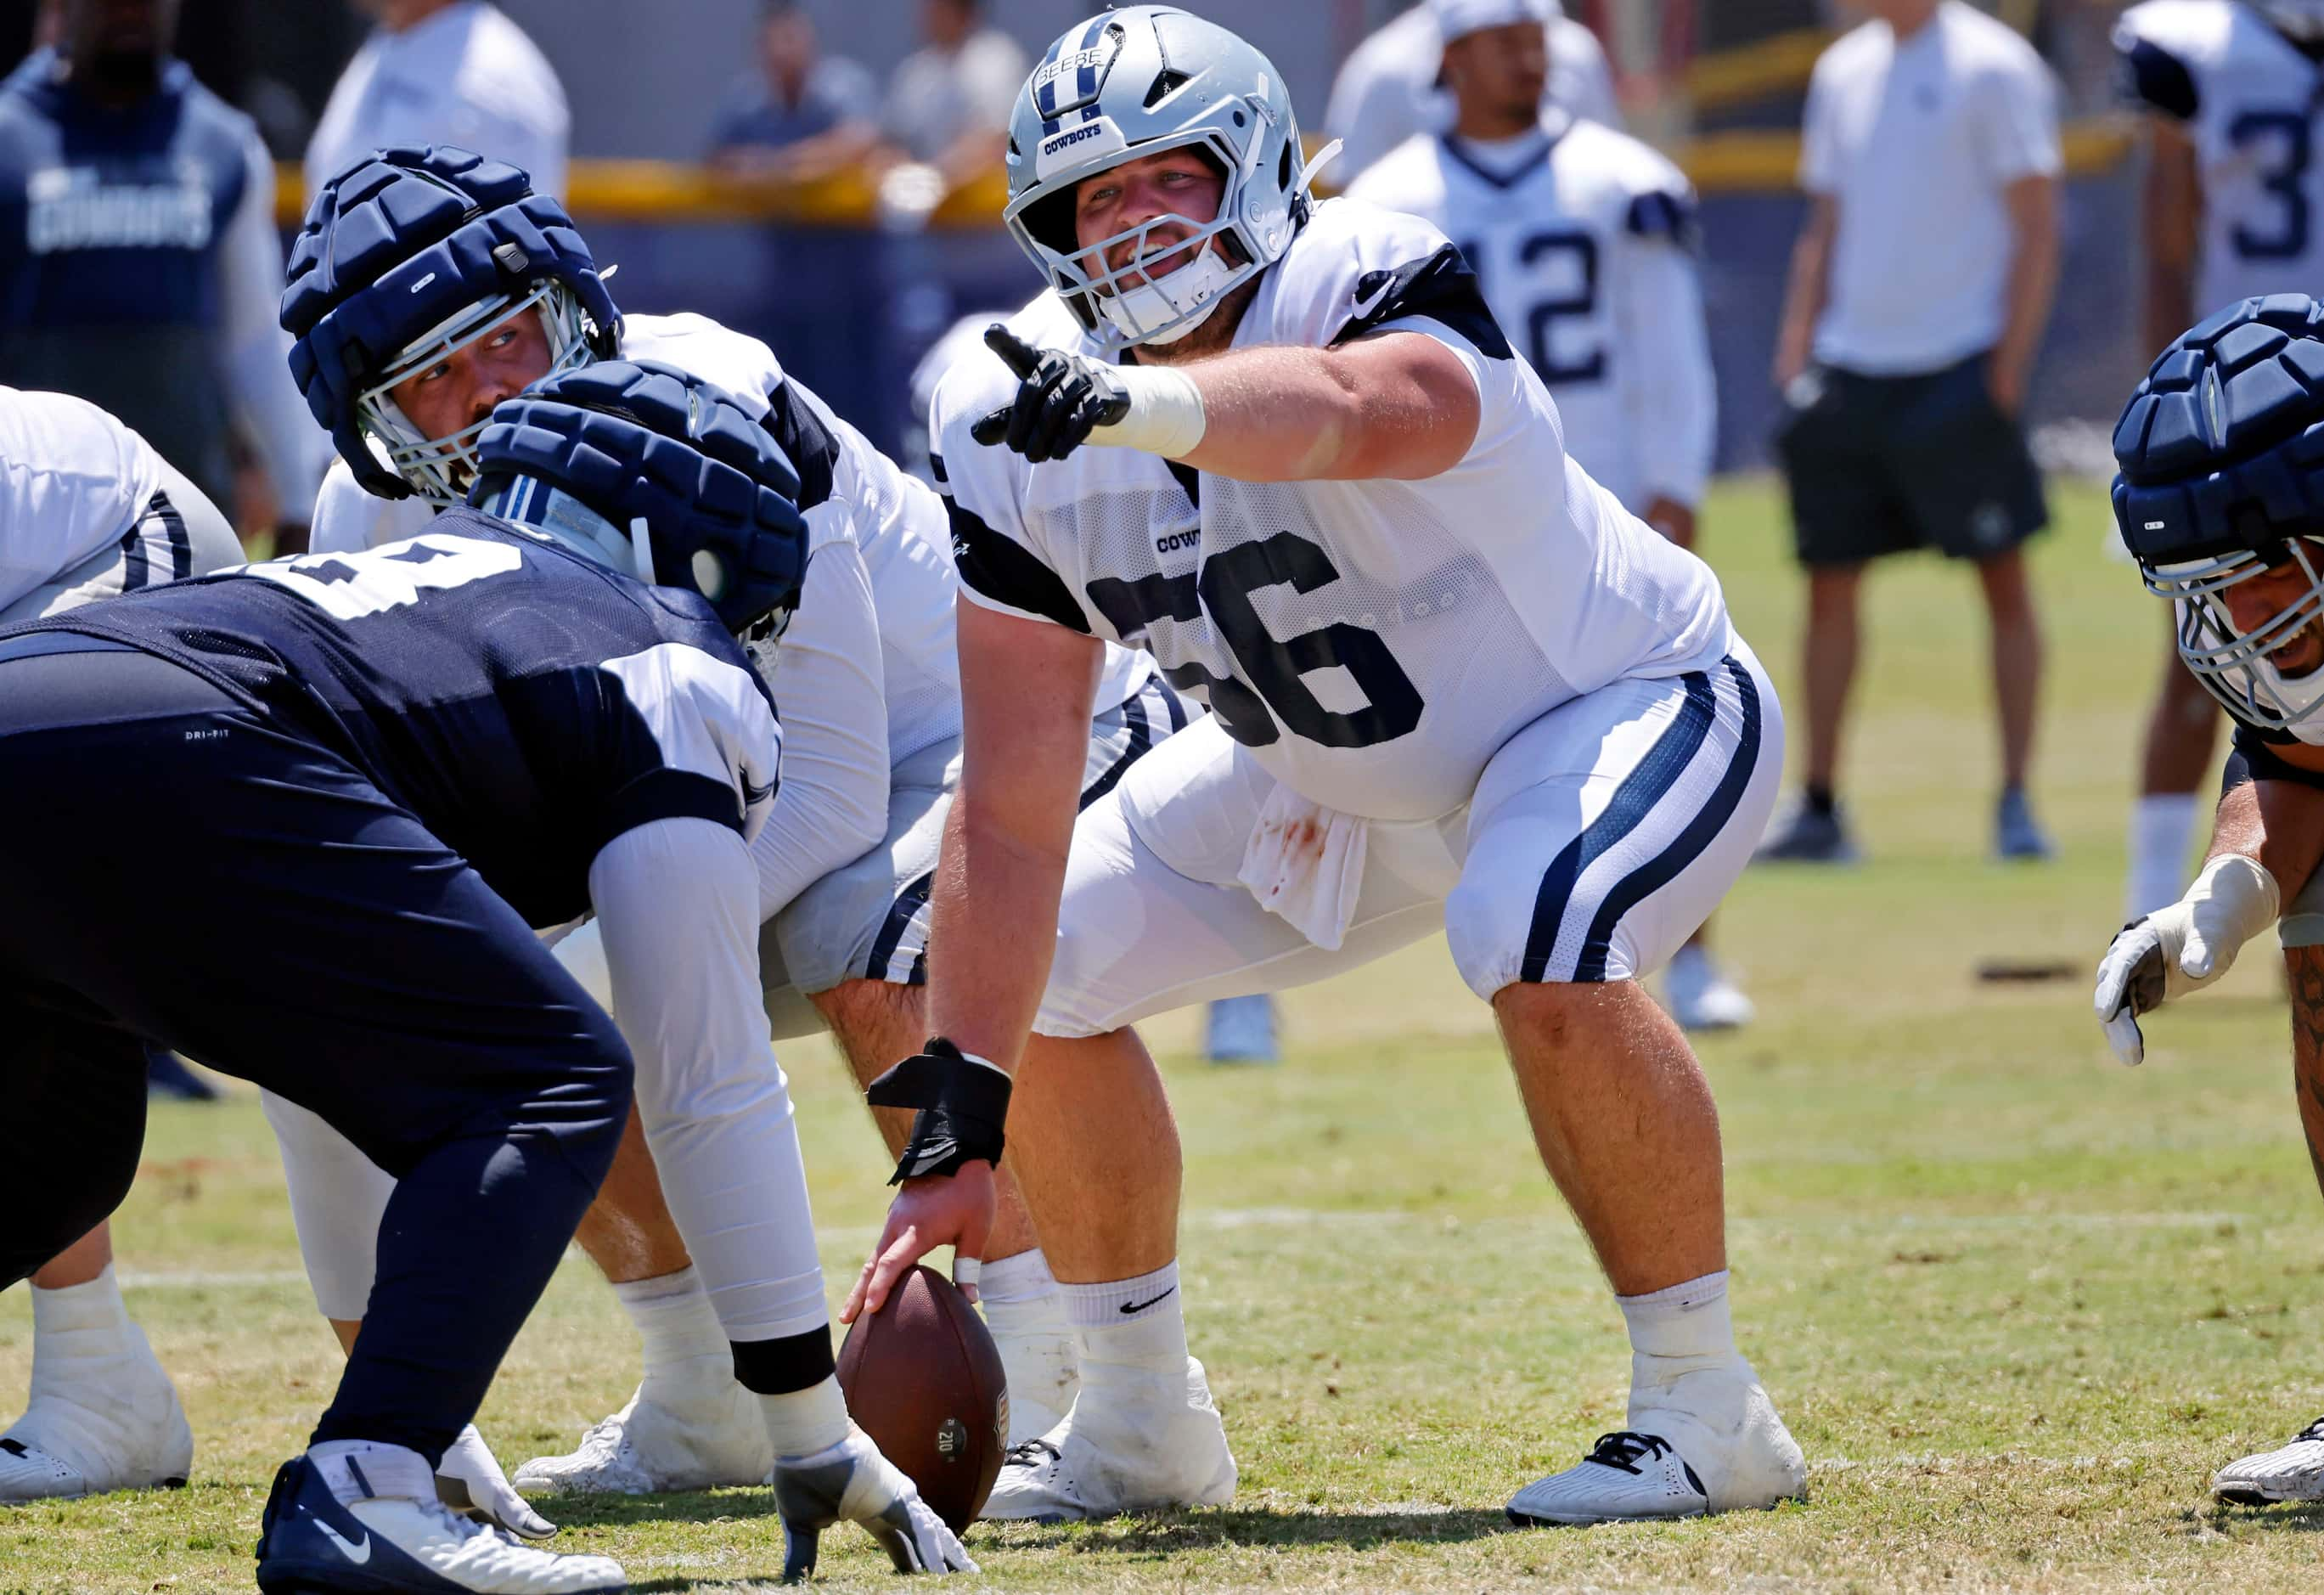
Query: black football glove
(1061, 398)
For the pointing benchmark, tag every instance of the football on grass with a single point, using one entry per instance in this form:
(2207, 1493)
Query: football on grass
(923, 1378)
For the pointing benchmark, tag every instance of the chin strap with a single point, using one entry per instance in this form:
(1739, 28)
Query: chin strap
(963, 1101)
(1323, 157)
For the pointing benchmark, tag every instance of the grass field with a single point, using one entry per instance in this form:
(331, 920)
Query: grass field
(2016, 1301)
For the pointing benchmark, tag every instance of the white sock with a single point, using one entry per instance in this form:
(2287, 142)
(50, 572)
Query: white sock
(357, 1469)
(2162, 832)
(685, 1343)
(1128, 1325)
(1679, 1330)
(83, 1321)
(803, 1422)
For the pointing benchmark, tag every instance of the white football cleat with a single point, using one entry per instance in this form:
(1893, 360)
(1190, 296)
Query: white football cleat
(2293, 1472)
(1043, 1365)
(1702, 998)
(313, 1544)
(112, 1422)
(1709, 1442)
(717, 1437)
(1129, 1444)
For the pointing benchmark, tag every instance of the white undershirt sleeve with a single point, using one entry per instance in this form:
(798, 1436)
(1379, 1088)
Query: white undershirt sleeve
(1673, 397)
(677, 904)
(830, 690)
(254, 352)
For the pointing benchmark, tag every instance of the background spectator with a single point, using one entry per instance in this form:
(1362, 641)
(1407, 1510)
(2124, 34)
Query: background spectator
(949, 102)
(803, 115)
(1391, 85)
(139, 264)
(445, 71)
(1919, 289)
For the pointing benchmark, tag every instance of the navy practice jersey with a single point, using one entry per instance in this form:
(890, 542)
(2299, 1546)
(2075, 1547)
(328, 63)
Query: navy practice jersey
(525, 704)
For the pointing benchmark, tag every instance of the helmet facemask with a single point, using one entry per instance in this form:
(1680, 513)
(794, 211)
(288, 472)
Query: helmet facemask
(442, 469)
(2237, 666)
(1126, 306)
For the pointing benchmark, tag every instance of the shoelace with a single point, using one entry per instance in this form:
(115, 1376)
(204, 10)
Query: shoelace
(1028, 1453)
(1624, 1448)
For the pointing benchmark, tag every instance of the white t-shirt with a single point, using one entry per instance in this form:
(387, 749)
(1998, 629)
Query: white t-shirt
(1582, 239)
(1372, 643)
(939, 95)
(72, 479)
(1387, 90)
(1917, 143)
(464, 75)
(2246, 98)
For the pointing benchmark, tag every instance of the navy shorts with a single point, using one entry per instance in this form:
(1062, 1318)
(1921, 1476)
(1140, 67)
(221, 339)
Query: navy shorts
(1885, 465)
(185, 871)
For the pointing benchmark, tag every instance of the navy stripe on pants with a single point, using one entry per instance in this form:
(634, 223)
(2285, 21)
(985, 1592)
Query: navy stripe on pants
(1643, 788)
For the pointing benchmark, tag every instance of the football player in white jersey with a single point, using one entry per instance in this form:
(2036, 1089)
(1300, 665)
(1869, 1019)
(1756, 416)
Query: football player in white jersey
(88, 510)
(1286, 448)
(1582, 240)
(2234, 202)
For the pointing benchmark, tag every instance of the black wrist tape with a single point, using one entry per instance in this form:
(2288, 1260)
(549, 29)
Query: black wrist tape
(962, 1105)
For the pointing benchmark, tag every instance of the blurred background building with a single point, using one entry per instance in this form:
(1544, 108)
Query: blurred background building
(850, 263)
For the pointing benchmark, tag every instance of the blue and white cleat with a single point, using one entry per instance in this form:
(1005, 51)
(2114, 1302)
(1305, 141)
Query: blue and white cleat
(357, 1518)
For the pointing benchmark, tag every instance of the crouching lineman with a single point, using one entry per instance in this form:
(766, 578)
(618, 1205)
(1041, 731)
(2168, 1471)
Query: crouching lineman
(2221, 501)
(88, 510)
(413, 317)
(1439, 695)
(400, 763)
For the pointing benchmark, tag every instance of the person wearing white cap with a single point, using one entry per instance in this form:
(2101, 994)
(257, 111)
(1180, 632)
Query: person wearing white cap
(1390, 87)
(1583, 239)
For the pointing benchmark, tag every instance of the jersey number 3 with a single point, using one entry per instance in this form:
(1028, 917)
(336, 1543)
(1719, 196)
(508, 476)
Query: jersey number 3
(349, 587)
(1277, 669)
(2286, 180)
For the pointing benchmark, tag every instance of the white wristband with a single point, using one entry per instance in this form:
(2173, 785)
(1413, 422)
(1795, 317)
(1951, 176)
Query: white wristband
(1166, 414)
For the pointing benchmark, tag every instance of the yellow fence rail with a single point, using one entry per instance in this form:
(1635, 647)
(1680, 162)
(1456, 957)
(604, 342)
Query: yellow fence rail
(673, 192)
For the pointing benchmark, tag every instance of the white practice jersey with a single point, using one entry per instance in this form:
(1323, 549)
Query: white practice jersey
(2253, 106)
(72, 480)
(1581, 237)
(896, 522)
(1373, 643)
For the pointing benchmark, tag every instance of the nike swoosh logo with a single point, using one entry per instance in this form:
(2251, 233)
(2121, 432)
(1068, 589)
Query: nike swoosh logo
(1365, 307)
(358, 1554)
(1141, 1307)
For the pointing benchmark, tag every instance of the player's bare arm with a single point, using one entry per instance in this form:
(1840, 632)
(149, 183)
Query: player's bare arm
(1809, 289)
(1026, 690)
(2032, 205)
(1396, 406)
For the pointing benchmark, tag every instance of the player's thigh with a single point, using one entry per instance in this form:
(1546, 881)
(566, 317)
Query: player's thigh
(310, 935)
(74, 1086)
(177, 535)
(1964, 469)
(867, 919)
(1152, 918)
(1842, 497)
(1604, 834)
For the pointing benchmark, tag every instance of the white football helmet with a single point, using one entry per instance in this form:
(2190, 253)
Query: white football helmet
(1137, 82)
